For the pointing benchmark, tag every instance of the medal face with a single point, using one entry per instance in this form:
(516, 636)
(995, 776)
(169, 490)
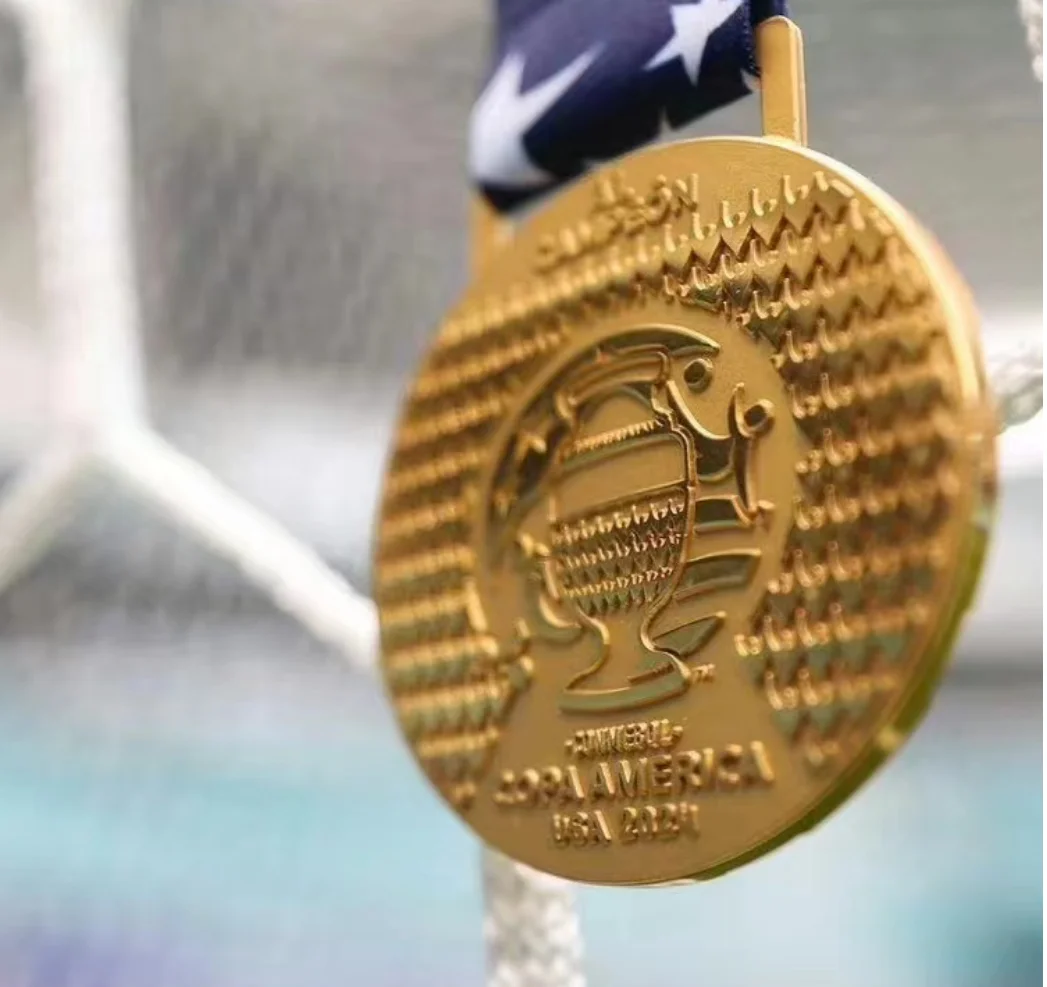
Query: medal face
(684, 509)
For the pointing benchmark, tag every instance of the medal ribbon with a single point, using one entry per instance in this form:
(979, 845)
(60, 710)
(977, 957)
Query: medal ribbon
(575, 83)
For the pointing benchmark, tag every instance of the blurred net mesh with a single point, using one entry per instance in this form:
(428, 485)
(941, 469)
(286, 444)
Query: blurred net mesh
(299, 168)
(299, 201)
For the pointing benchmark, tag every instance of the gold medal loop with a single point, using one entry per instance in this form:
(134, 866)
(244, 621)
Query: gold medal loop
(783, 89)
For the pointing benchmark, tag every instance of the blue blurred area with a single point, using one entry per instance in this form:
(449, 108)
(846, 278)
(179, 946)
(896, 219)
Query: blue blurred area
(147, 865)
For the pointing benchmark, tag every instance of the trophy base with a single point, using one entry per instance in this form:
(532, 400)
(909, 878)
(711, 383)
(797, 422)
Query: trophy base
(663, 682)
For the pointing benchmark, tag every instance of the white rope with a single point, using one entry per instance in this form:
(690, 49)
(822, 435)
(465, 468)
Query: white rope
(288, 571)
(77, 71)
(35, 503)
(1016, 378)
(1031, 13)
(75, 56)
(531, 927)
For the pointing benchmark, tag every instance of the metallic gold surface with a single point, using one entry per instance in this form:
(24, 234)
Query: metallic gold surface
(783, 89)
(684, 509)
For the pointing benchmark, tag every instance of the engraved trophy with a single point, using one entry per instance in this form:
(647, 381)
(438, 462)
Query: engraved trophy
(607, 491)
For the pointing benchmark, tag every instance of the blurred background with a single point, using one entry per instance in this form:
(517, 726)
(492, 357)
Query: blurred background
(193, 793)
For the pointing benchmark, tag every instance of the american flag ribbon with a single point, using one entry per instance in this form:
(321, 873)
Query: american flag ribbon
(576, 83)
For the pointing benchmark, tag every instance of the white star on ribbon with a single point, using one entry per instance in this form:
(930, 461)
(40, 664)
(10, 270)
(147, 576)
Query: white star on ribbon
(503, 115)
(692, 25)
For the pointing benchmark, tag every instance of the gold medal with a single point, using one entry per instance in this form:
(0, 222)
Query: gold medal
(685, 506)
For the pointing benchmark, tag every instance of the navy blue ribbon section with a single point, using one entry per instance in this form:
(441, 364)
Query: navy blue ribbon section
(576, 83)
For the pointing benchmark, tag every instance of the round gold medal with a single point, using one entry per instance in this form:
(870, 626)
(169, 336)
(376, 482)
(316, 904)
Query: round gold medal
(683, 511)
